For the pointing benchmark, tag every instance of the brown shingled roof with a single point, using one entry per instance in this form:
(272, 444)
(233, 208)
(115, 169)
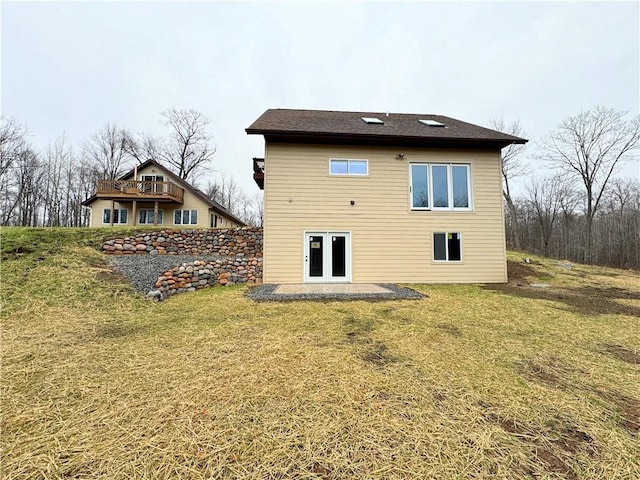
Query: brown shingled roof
(305, 125)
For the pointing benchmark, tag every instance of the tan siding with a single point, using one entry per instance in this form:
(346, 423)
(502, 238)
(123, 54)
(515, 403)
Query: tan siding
(389, 241)
(190, 202)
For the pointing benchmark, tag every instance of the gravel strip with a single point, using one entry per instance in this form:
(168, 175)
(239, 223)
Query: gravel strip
(264, 293)
(143, 270)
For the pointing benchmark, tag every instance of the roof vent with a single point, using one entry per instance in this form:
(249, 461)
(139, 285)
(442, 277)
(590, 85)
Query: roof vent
(431, 123)
(372, 121)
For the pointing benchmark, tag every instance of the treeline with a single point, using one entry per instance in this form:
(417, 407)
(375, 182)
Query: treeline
(551, 223)
(46, 188)
(579, 210)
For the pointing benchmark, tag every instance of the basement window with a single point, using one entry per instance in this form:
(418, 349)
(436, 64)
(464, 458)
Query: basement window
(447, 247)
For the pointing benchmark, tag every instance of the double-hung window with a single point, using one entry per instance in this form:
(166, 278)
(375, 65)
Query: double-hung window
(119, 215)
(145, 216)
(347, 166)
(185, 217)
(440, 186)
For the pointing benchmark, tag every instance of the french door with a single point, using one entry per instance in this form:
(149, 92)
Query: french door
(327, 257)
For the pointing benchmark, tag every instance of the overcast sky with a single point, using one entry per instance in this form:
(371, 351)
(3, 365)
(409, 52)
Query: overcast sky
(71, 67)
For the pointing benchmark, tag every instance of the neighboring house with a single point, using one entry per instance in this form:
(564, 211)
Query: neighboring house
(152, 195)
(375, 197)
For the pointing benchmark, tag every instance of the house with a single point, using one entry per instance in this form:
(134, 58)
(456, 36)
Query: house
(152, 195)
(380, 197)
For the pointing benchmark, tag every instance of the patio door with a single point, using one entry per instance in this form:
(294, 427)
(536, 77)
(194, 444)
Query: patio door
(327, 257)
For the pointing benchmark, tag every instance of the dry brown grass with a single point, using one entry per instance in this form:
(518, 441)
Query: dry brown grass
(472, 382)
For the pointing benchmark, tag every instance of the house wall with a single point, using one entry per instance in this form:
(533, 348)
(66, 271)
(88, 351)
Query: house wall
(390, 243)
(191, 202)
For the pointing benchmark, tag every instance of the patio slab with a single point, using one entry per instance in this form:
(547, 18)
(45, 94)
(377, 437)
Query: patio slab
(332, 291)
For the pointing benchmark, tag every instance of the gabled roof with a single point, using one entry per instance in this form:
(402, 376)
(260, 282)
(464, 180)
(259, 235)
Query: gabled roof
(395, 129)
(180, 182)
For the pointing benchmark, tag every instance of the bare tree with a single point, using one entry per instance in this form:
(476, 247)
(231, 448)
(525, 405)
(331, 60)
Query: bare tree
(187, 149)
(545, 198)
(513, 166)
(107, 151)
(142, 147)
(12, 143)
(590, 146)
(226, 192)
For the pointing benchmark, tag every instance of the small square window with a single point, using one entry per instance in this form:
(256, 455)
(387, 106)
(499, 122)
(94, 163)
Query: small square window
(447, 247)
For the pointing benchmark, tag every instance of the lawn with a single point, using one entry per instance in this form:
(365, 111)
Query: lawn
(502, 381)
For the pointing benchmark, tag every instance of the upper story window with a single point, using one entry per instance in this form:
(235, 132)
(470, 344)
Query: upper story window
(440, 186)
(347, 166)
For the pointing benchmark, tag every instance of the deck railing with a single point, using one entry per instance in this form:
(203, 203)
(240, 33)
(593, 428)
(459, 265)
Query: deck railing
(136, 188)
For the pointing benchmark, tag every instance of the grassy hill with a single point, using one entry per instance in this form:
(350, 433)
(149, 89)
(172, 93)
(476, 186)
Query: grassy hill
(475, 381)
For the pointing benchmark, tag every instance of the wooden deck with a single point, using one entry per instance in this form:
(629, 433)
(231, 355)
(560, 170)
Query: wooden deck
(138, 190)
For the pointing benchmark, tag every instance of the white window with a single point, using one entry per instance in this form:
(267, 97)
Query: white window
(185, 217)
(145, 216)
(346, 166)
(440, 186)
(119, 215)
(447, 247)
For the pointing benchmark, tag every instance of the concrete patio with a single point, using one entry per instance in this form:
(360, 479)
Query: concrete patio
(332, 291)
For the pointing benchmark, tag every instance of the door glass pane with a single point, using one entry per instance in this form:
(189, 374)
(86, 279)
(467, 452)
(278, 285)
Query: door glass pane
(315, 256)
(440, 192)
(338, 256)
(419, 186)
(460, 186)
(439, 246)
(147, 186)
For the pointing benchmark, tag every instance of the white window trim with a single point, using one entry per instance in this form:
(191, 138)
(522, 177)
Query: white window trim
(348, 160)
(450, 208)
(446, 246)
(119, 216)
(190, 215)
(147, 210)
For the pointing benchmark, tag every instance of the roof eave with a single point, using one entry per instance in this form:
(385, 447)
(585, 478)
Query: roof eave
(324, 137)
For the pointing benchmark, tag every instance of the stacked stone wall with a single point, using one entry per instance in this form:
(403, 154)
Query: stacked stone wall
(198, 274)
(228, 257)
(231, 242)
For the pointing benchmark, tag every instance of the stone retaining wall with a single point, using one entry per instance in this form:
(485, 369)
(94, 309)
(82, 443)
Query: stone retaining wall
(237, 256)
(243, 241)
(198, 274)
